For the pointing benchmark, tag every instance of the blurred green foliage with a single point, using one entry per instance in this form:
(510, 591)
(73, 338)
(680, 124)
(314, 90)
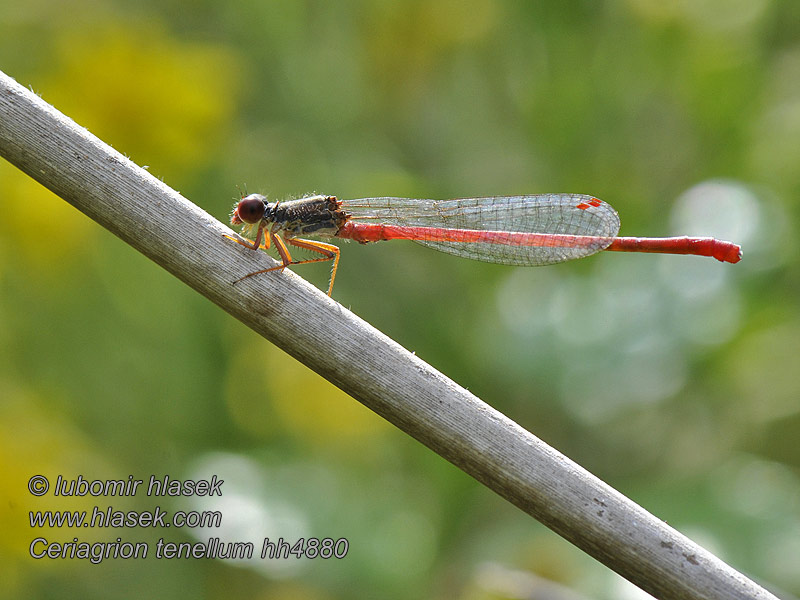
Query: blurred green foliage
(672, 378)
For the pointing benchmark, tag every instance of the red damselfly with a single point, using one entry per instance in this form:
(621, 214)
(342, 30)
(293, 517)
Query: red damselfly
(541, 229)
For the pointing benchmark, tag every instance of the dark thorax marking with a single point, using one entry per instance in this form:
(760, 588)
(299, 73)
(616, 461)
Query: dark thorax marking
(316, 215)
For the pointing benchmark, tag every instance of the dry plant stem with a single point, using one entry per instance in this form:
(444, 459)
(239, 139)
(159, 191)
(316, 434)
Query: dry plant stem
(372, 368)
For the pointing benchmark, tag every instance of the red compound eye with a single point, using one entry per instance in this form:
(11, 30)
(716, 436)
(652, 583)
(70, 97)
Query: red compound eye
(249, 210)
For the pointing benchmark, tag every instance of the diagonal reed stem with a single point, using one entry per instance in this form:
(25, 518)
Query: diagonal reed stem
(373, 369)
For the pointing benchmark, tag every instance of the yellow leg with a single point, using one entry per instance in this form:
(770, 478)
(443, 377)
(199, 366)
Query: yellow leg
(329, 252)
(255, 245)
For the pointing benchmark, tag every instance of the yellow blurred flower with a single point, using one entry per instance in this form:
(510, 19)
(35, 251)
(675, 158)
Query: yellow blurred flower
(37, 440)
(38, 227)
(282, 395)
(161, 101)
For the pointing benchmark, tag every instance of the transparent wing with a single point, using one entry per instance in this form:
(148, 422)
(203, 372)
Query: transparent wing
(595, 221)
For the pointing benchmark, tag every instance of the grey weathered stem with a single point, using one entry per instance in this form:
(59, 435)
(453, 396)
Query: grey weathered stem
(363, 362)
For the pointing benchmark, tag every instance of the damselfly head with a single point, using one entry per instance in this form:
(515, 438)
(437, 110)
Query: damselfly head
(250, 209)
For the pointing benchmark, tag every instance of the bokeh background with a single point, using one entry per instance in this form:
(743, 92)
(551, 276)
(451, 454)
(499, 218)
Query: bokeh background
(674, 379)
